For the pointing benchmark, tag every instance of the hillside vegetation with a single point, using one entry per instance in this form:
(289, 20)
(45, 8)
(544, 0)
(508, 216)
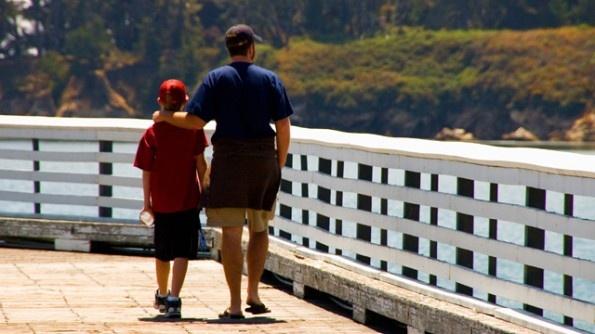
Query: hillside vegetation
(490, 69)
(413, 82)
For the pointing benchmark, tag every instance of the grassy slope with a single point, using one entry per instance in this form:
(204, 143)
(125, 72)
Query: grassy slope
(422, 77)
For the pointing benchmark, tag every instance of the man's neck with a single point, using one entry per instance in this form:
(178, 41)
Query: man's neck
(241, 59)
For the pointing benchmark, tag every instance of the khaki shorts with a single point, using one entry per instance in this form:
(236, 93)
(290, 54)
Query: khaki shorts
(258, 220)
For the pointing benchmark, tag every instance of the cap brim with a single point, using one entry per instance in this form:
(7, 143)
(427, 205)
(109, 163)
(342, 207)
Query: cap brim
(257, 38)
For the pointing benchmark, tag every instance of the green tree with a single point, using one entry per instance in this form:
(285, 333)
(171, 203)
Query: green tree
(170, 40)
(88, 46)
(573, 12)
(11, 37)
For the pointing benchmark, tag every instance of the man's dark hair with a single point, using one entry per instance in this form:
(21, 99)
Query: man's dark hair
(240, 50)
(238, 39)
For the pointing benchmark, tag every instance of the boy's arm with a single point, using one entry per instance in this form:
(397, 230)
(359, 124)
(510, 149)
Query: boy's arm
(180, 119)
(283, 129)
(147, 192)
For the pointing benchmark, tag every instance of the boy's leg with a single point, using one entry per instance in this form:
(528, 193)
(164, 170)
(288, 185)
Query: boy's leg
(232, 258)
(162, 273)
(173, 303)
(179, 271)
(162, 266)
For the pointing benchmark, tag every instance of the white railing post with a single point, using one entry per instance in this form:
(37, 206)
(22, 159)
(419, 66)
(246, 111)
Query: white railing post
(534, 238)
(36, 168)
(411, 212)
(465, 224)
(105, 168)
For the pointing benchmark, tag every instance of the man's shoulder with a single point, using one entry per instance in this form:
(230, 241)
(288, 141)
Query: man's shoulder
(222, 69)
(231, 70)
(264, 70)
(215, 74)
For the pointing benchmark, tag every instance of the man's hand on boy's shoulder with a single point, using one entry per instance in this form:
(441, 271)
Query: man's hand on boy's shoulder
(161, 115)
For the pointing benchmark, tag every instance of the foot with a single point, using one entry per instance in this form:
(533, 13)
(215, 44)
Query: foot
(173, 308)
(257, 308)
(159, 303)
(228, 315)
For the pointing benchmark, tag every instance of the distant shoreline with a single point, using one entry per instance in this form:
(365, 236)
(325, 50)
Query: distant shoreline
(552, 145)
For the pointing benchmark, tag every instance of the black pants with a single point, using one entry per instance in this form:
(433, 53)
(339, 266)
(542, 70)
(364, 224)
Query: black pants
(176, 234)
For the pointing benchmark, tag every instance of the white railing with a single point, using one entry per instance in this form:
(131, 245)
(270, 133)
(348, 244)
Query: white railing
(511, 226)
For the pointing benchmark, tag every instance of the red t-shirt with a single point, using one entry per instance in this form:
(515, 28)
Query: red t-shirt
(169, 153)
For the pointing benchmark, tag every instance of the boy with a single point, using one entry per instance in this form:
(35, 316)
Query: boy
(174, 166)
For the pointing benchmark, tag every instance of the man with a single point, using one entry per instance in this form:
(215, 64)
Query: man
(248, 155)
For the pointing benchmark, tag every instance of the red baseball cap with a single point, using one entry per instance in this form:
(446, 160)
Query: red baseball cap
(172, 92)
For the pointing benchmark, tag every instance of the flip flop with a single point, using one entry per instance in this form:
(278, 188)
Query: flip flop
(228, 315)
(257, 308)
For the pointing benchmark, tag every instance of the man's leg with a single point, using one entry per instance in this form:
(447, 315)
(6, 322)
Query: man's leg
(256, 256)
(232, 258)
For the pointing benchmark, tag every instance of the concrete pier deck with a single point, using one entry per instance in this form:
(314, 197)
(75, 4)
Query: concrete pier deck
(48, 291)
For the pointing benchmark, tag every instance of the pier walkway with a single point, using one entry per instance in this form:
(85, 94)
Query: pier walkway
(47, 291)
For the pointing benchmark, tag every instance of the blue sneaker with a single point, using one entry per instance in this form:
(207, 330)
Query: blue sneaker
(159, 303)
(173, 308)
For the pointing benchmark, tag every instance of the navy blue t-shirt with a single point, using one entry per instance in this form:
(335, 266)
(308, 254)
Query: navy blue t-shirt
(243, 99)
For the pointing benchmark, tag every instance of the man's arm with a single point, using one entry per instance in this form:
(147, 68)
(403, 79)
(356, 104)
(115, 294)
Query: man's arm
(283, 129)
(201, 169)
(180, 119)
